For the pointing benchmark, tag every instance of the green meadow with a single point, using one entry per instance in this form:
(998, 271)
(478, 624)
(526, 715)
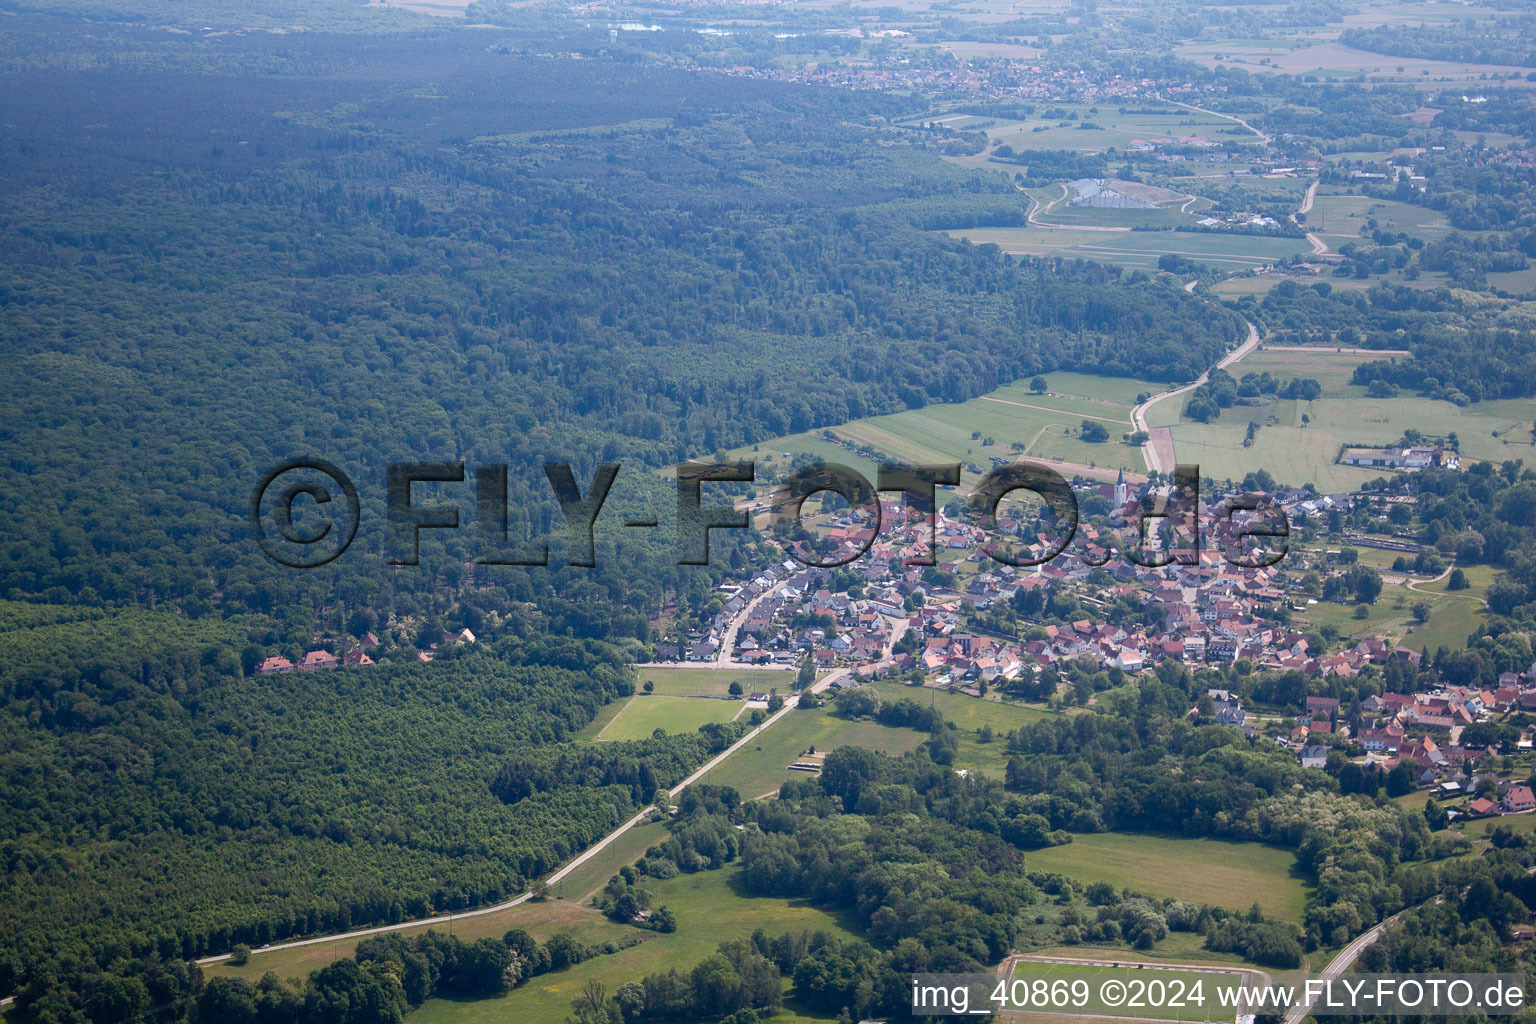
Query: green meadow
(1223, 874)
(1139, 250)
(1041, 425)
(643, 714)
(762, 766)
(709, 910)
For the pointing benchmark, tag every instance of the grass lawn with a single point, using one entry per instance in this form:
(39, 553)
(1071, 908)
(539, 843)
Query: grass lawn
(969, 714)
(1231, 875)
(1516, 282)
(709, 910)
(605, 714)
(708, 682)
(1452, 617)
(1331, 369)
(580, 885)
(1114, 128)
(643, 715)
(761, 767)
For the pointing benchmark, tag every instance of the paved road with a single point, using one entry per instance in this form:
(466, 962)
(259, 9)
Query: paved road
(1318, 245)
(1345, 960)
(1228, 117)
(728, 641)
(899, 628)
(1149, 450)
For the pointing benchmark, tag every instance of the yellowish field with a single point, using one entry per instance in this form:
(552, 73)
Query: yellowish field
(1046, 426)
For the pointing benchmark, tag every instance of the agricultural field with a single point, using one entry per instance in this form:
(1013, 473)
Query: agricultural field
(709, 910)
(1295, 452)
(1223, 874)
(1340, 218)
(643, 714)
(1114, 129)
(1333, 60)
(1139, 250)
(1045, 425)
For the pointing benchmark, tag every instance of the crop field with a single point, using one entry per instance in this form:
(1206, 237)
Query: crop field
(709, 910)
(1045, 425)
(1197, 988)
(644, 714)
(1139, 250)
(1230, 875)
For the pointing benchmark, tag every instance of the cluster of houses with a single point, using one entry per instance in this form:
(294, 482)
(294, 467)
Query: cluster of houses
(1417, 730)
(1212, 608)
(357, 655)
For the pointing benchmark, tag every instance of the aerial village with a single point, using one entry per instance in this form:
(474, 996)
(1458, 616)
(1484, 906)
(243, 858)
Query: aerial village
(1211, 611)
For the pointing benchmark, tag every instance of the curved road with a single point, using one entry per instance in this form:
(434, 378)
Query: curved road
(899, 627)
(1139, 414)
(1345, 960)
(1318, 245)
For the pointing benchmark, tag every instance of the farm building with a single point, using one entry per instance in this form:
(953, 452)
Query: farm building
(1415, 457)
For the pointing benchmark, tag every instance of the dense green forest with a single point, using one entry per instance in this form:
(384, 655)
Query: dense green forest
(934, 870)
(419, 248)
(1490, 41)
